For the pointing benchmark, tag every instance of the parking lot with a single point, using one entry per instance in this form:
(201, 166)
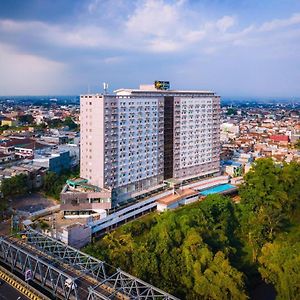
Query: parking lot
(31, 203)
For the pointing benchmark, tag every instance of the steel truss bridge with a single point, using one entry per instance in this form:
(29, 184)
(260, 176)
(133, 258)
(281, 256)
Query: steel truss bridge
(67, 273)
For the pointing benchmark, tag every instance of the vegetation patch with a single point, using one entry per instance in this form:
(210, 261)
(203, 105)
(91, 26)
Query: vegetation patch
(216, 249)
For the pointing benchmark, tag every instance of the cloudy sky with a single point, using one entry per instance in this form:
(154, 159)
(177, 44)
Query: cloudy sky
(234, 47)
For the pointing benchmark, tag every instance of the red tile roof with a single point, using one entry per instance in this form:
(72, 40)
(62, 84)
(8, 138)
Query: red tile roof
(279, 138)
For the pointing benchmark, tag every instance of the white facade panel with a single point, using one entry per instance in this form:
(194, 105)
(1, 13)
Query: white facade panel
(195, 131)
(138, 132)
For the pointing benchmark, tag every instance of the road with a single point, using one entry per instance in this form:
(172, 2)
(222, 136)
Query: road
(7, 292)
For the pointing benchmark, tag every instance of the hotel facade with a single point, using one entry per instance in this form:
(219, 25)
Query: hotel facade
(136, 139)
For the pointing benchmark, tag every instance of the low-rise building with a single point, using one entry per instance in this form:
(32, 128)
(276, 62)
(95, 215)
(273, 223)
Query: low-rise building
(81, 200)
(233, 168)
(178, 198)
(6, 157)
(54, 160)
(9, 122)
(76, 235)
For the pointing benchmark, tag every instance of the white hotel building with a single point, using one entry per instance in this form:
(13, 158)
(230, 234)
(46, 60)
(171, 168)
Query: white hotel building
(137, 138)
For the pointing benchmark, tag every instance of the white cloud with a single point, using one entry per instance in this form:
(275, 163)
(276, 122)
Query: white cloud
(155, 26)
(280, 23)
(225, 23)
(163, 45)
(165, 27)
(109, 37)
(155, 18)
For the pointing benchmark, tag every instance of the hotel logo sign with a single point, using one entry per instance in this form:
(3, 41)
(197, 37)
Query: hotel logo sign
(162, 85)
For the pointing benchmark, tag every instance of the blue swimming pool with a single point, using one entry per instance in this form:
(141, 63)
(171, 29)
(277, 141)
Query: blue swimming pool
(217, 189)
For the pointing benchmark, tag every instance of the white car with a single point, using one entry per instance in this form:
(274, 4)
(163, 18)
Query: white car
(69, 283)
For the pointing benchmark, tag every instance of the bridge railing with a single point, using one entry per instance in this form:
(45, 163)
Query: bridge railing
(49, 277)
(118, 283)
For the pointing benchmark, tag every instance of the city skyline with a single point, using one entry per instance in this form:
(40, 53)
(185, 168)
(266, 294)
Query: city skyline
(236, 48)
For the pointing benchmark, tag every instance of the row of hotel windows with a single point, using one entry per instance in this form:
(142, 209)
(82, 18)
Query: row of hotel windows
(185, 152)
(137, 108)
(138, 121)
(185, 131)
(142, 133)
(193, 163)
(138, 156)
(138, 103)
(138, 116)
(199, 109)
(128, 110)
(133, 151)
(201, 148)
(142, 143)
(128, 177)
(141, 165)
(202, 116)
(193, 117)
(151, 159)
(193, 106)
(124, 140)
(187, 101)
(191, 141)
(137, 170)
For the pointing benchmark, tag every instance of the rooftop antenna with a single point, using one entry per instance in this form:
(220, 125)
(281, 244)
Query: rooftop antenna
(105, 87)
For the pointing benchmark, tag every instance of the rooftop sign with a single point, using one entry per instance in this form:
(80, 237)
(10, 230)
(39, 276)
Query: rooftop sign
(162, 85)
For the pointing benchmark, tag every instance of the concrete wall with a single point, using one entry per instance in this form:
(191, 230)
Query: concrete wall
(92, 139)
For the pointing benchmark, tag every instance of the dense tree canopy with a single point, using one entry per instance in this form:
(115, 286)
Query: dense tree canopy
(268, 198)
(280, 265)
(184, 252)
(15, 185)
(215, 249)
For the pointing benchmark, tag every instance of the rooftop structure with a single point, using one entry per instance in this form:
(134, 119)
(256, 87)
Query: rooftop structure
(54, 160)
(81, 199)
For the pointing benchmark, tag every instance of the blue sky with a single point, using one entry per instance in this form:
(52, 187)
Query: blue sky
(234, 47)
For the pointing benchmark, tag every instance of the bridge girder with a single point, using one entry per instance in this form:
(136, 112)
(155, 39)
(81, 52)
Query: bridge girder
(43, 273)
(117, 282)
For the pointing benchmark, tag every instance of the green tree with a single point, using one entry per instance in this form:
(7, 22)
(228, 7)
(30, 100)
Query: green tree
(15, 185)
(231, 111)
(297, 144)
(53, 183)
(55, 123)
(26, 119)
(70, 123)
(180, 251)
(209, 276)
(264, 204)
(4, 127)
(280, 265)
(201, 251)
